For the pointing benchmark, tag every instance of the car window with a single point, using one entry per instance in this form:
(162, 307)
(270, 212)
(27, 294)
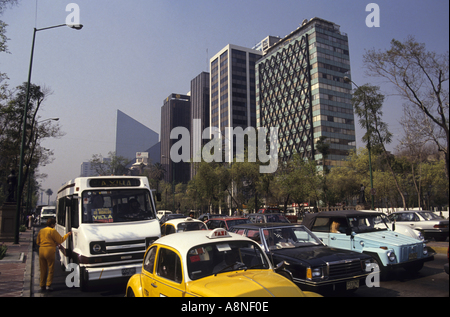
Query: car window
(215, 258)
(239, 231)
(149, 261)
(214, 224)
(170, 229)
(191, 226)
(321, 225)
(254, 235)
(169, 265)
(407, 216)
(428, 216)
(289, 237)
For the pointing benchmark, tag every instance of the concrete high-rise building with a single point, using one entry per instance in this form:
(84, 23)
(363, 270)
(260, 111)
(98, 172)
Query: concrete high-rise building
(199, 111)
(232, 90)
(88, 169)
(300, 89)
(175, 112)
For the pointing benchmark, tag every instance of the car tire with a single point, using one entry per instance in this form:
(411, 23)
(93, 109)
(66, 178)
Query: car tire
(130, 292)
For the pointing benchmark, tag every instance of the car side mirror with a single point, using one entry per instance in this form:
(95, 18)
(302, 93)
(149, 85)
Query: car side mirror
(393, 226)
(280, 266)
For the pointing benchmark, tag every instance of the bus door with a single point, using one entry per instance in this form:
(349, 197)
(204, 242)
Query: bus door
(67, 220)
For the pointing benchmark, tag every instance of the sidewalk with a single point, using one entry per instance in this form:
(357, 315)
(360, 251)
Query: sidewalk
(15, 267)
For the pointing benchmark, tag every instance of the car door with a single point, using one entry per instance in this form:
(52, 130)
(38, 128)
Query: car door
(168, 278)
(148, 282)
(337, 237)
(407, 218)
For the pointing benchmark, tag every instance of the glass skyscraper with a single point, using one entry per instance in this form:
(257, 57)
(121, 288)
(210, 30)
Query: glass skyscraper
(300, 89)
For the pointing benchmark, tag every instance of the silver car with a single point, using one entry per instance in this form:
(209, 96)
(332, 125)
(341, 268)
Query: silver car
(427, 222)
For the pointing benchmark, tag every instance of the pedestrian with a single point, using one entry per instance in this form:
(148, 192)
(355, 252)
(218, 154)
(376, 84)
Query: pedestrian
(47, 240)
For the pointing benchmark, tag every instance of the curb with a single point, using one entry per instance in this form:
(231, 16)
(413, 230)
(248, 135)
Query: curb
(28, 274)
(438, 250)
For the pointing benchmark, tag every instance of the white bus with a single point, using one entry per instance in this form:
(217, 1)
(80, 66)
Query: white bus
(113, 221)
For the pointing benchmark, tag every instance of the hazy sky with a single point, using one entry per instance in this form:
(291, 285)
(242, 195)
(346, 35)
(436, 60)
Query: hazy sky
(131, 55)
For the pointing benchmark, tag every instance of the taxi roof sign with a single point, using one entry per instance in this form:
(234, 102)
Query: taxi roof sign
(218, 233)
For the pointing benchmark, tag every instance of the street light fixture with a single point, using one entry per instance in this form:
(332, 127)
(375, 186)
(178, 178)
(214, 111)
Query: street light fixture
(25, 111)
(348, 80)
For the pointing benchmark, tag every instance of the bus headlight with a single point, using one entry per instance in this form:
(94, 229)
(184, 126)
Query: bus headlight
(97, 247)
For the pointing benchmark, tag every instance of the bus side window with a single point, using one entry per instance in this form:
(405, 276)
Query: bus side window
(61, 212)
(74, 217)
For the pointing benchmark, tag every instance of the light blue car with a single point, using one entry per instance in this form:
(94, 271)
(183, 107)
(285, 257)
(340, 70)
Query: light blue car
(366, 232)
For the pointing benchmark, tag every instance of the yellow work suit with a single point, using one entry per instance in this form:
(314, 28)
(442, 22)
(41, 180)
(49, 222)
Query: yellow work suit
(47, 240)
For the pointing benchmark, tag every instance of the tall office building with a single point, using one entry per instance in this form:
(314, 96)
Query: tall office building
(233, 101)
(199, 111)
(175, 112)
(300, 89)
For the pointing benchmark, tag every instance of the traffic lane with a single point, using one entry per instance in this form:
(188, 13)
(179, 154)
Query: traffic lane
(107, 288)
(431, 281)
(113, 288)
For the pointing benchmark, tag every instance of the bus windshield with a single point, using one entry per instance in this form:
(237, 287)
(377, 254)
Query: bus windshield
(121, 205)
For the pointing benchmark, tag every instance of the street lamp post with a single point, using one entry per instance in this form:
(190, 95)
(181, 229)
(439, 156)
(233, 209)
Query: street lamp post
(348, 80)
(29, 175)
(25, 111)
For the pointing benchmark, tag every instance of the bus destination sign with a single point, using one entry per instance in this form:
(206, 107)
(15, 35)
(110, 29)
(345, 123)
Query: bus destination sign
(114, 182)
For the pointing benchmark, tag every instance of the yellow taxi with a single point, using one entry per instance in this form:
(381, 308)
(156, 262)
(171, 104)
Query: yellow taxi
(209, 264)
(182, 225)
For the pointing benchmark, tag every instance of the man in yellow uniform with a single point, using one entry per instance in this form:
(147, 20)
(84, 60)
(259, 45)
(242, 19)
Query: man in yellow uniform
(47, 240)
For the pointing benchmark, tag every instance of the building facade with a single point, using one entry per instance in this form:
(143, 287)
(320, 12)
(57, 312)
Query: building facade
(175, 112)
(132, 136)
(233, 100)
(199, 114)
(300, 89)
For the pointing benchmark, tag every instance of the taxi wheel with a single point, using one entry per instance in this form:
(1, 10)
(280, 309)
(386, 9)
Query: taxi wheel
(130, 292)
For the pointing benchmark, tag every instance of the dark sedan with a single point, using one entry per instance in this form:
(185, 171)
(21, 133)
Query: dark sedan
(308, 262)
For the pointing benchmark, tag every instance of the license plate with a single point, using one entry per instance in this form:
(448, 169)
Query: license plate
(412, 256)
(129, 272)
(352, 284)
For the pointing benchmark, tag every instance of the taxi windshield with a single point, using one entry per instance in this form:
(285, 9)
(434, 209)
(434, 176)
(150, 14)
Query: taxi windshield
(290, 237)
(224, 256)
(112, 206)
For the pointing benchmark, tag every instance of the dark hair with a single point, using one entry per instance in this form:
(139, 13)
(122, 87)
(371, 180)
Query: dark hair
(51, 222)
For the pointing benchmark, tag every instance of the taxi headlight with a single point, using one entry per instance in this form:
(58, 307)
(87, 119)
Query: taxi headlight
(391, 256)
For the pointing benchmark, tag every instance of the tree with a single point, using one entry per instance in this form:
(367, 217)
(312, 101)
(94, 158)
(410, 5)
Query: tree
(11, 121)
(421, 78)
(113, 165)
(367, 103)
(3, 46)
